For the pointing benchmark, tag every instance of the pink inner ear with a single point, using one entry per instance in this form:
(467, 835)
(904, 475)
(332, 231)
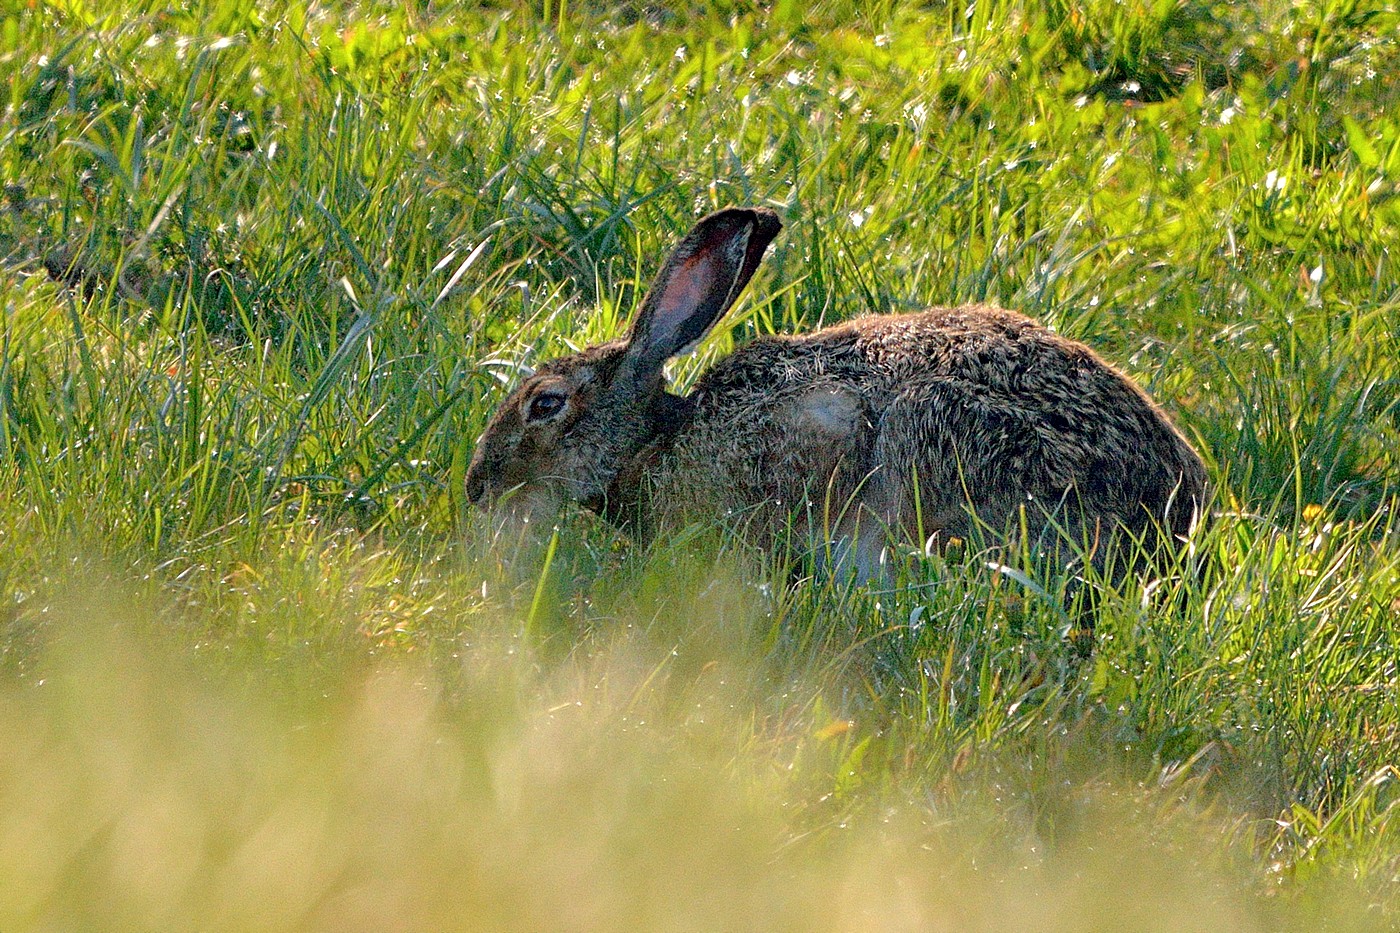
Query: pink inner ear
(687, 289)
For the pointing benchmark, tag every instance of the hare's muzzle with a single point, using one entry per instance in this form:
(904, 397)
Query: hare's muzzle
(476, 486)
(521, 501)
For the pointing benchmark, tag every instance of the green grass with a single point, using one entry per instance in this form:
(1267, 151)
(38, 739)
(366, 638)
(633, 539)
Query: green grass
(264, 270)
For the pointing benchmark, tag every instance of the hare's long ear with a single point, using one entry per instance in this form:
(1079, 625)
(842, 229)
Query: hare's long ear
(700, 280)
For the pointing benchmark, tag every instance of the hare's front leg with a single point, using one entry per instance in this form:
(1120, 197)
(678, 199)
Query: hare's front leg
(821, 451)
(855, 549)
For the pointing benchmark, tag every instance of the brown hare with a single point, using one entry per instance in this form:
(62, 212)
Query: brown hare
(924, 426)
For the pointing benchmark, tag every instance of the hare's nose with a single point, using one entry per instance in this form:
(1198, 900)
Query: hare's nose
(476, 487)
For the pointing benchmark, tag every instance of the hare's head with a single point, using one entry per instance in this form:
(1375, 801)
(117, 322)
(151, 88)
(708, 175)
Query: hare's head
(567, 430)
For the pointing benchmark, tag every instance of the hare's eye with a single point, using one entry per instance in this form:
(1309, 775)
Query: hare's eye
(544, 406)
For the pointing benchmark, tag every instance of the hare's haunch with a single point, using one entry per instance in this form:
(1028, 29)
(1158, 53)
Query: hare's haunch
(926, 426)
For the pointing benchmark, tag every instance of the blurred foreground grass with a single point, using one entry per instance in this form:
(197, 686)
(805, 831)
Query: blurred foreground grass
(609, 792)
(686, 749)
(265, 267)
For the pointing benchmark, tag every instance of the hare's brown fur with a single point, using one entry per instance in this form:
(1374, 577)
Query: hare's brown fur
(927, 425)
(924, 421)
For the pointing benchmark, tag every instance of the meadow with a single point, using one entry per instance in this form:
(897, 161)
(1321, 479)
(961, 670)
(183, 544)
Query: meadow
(266, 267)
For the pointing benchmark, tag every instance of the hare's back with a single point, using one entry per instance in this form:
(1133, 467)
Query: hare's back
(997, 355)
(972, 397)
(988, 400)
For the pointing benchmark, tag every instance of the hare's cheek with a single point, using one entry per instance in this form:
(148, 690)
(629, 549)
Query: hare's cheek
(530, 450)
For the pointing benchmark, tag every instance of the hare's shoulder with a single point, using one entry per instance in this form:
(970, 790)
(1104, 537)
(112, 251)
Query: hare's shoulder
(771, 365)
(790, 390)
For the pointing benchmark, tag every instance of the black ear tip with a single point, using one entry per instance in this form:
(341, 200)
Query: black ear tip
(763, 227)
(766, 223)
